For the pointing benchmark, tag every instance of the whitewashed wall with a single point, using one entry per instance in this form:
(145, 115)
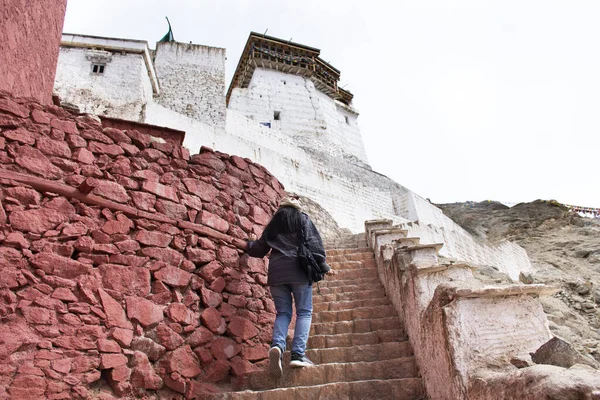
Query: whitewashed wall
(309, 116)
(192, 80)
(122, 91)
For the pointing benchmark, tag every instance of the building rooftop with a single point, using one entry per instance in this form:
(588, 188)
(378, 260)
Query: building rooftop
(262, 51)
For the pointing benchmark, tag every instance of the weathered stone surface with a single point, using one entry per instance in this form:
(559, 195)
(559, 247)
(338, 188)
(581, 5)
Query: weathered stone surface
(144, 311)
(172, 210)
(111, 190)
(199, 337)
(53, 147)
(242, 328)
(115, 314)
(210, 298)
(38, 220)
(184, 362)
(199, 256)
(168, 337)
(108, 346)
(121, 225)
(143, 374)
(153, 350)
(173, 276)
(213, 221)
(205, 191)
(64, 294)
(211, 318)
(179, 313)
(122, 336)
(161, 190)
(557, 351)
(111, 360)
(224, 348)
(166, 255)
(129, 281)
(60, 266)
(153, 238)
(228, 256)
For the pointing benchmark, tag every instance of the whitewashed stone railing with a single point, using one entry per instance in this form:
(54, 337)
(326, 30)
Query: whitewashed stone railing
(464, 334)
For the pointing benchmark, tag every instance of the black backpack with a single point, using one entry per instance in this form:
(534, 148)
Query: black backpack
(315, 271)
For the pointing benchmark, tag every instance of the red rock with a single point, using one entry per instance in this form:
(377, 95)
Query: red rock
(53, 147)
(173, 276)
(224, 348)
(191, 201)
(210, 298)
(241, 367)
(205, 191)
(151, 155)
(65, 126)
(237, 301)
(114, 312)
(211, 220)
(111, 150)
(60, 266)
(239, 162)
(121, 226)
(16, 239)
(27, 387)
(153, 238)
(199, 390)
(183, 361)
(36, 162)
(259, 215)
(122, 336)
(24, 196)
(199, 337)
(144, 311)
(143, 201)
(147, 175)
(153, 350)
(11, 107)
(211, 271)
(253, 264)
(110, 360)
(172, 210)
(199, 256)
(166, 255)
(208, 160)
(130, 149)
(218, 285)
(108, 346)
(161, 190)
(168, 337)
(211, 318)
(217, 371)
(228, 256)
(132, 261)
(143, 374)
(242, 328)
(179, 313)
(98, 136)
(62, 365)
(105, 248)
(121, 167)
(176, 382)
(127, 245)
(120, 374)
(83, 364)
(63, 294)
(255, 353)
(238, 287)
(41, 117)
(38, 315)
(117, 135)
(84, 156)
(204, 355)
(111, 191)
(20, 135)
(76, 141)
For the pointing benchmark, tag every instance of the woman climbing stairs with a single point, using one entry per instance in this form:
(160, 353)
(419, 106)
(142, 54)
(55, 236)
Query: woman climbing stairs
(357, 340)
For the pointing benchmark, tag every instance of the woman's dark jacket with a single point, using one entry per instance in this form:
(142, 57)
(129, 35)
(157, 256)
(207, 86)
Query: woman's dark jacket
(284, 266)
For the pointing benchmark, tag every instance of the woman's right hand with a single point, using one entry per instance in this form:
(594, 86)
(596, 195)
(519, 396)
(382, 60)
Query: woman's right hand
(252, 236)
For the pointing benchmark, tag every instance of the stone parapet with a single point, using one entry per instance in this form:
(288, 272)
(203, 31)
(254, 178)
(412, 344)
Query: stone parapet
(466, 335)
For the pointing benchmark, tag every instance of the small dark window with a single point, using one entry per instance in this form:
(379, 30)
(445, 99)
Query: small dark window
(347, 120)
(98, 69)
(277, 115)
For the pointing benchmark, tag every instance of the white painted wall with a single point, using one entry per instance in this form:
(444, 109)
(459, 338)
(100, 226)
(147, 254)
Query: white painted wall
(122, 91)
(192, 80)
(309, 116)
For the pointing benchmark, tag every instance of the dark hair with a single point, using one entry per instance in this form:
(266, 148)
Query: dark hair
(285, 220)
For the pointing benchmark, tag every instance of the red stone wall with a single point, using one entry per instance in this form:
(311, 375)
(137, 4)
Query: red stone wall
(120, 261)
(30, 33)
(170, 135)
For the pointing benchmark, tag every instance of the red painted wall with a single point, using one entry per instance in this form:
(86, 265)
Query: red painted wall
(30, 33)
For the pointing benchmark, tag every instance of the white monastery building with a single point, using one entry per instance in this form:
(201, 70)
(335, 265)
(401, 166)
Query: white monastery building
(283, 109)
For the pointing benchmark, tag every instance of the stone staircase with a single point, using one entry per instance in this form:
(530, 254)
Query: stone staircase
(357, 341)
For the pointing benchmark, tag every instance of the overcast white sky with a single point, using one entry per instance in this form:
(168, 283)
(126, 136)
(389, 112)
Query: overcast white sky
(459, 100)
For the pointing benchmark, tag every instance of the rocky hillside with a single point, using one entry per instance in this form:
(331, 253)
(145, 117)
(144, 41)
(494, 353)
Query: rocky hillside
(564, 249)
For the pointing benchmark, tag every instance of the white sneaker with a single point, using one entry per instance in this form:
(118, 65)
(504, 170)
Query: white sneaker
(275, 368)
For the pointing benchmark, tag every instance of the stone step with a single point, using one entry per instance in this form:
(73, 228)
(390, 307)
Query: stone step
(336, 280)
(375, 389)
(367, 352)
(357, 326)
(340, 265)
(354, 339)
(340, 252)
(348, 304)
(395, 368)
(344, 296)
(351, 274)
(351, 257)
(355, 314)
(325, 290)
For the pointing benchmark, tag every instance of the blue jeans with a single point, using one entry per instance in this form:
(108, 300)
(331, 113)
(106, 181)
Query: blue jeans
(282, 296)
